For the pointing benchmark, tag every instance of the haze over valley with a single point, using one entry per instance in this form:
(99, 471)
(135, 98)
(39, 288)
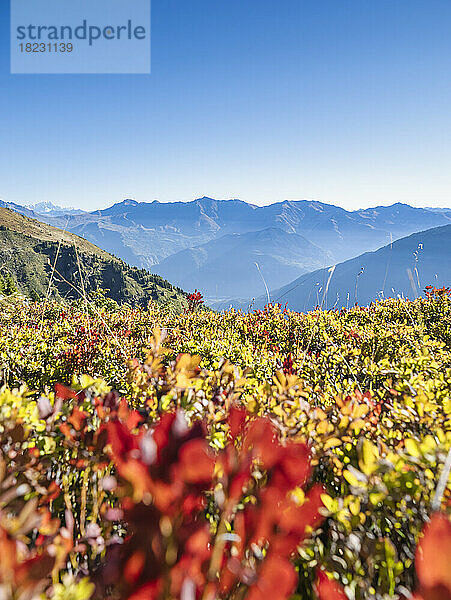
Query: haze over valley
(233, 251)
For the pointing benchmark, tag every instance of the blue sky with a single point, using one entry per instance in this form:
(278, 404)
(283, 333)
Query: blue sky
(343, 101)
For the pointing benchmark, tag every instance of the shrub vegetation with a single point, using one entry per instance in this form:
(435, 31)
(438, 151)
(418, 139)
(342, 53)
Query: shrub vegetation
(152, 455)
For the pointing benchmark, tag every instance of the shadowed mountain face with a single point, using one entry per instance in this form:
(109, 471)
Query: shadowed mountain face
(214, 244)
(403, 268)
(226, 266)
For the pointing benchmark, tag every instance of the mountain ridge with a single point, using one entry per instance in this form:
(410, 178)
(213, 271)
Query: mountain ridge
(402, 268)
(36, 258)
(148, 234)
(224, 265)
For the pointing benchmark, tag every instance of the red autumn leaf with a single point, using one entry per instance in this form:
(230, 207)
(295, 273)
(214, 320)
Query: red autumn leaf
(121, 440)
(192, 503)
(162, 432)
(77, 418)
(261, 436)
(137, 474)
(328, 589)
(237, 418)
(170, 485)
(131, 418)
(53, 491)
(433, 559)
(63, 392)
(134, 567)
(7, 551)
(149, 591)
(198, 544)
(32, 571)
(66, 431)
(293, 466)
(260, 520)
(237, 484)
(295, 519)
(276, 580)
(34, 452)
(196, 462)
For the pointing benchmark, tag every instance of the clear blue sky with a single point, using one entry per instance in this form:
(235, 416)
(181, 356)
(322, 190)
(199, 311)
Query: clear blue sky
(342, 101)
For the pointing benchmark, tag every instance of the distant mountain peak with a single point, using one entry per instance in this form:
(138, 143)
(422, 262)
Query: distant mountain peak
(225, 201)
(118, 206)
(44, 207)
(48, 208)
(212, 241)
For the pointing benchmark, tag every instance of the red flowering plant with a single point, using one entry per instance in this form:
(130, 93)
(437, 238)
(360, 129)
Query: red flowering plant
(208, 524)
(432, 292)
(33, 545)
(432, 560)
(195, 301)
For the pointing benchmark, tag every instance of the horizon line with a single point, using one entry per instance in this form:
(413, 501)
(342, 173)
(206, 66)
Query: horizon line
(28, 204)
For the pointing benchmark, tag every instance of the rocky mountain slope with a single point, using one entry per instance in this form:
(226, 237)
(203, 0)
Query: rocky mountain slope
(36, 257)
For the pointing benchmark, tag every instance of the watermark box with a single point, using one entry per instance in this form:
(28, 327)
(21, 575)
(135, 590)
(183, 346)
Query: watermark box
(80, 36)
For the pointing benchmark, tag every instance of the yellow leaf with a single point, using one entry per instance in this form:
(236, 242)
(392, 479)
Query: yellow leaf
(358, 424)
(412, 447)
(351, 478)
(376, 497)
(360, 411)
(428, 444)
(320, 414)
(354, 506)
(330, 503)
(332, 443)
(369, 457)
(322, 427)
(344, 422)
(298, 496)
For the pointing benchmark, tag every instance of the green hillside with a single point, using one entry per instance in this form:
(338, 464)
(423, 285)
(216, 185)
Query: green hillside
(34, 255)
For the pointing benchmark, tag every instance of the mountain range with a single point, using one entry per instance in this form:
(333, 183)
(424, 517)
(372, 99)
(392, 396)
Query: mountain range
(47, 208)
(401, 269)
(232, 249)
